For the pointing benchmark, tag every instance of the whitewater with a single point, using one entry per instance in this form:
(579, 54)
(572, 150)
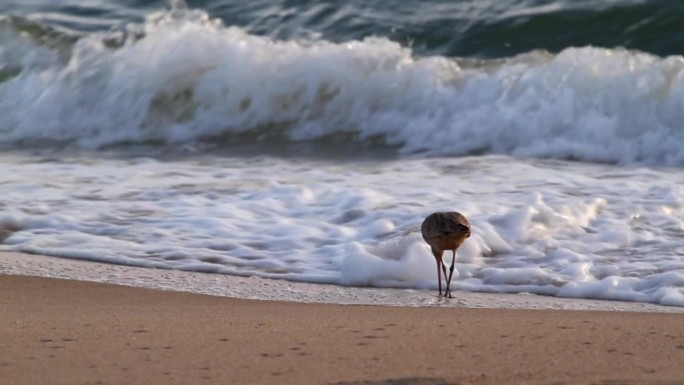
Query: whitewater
(183, 77)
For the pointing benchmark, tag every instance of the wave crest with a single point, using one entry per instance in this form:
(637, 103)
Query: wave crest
(184, 77)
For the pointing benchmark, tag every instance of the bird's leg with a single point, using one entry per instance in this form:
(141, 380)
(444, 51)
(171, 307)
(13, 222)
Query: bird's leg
(445, 277)
(451, 273)
(439, 274)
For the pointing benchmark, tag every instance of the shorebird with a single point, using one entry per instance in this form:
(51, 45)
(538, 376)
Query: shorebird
(445, 231)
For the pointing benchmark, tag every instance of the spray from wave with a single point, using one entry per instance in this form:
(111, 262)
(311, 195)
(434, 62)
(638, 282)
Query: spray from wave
(183, 77)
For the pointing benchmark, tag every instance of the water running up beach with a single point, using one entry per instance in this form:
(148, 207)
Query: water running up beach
(307, 142)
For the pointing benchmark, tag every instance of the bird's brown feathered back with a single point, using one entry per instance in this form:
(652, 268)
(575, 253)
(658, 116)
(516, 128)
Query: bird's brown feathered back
(443, 223)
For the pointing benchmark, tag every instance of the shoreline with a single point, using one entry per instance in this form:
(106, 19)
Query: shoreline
(66, 332)
(15, 263)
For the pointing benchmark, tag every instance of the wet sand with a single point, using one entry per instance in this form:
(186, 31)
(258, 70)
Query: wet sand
(69, 332)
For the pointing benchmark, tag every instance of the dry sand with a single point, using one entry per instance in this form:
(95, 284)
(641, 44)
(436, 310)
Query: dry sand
(69, 332)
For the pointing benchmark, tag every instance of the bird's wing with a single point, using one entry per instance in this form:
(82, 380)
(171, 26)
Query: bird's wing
(438, 224)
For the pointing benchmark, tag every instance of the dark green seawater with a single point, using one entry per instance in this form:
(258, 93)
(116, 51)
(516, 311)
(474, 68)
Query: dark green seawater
(461, 28)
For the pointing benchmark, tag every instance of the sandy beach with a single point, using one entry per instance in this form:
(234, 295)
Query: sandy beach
(70, 332)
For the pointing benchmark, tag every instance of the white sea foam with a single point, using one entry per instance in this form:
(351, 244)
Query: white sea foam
(183, 77)
(551, 228)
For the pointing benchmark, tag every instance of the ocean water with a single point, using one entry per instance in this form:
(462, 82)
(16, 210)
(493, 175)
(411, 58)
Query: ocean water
(307, 141)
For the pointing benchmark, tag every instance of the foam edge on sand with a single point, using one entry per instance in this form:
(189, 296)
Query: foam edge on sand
(14, 263)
